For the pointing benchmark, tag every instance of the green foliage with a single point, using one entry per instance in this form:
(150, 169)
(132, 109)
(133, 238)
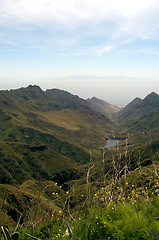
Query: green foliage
(125, 221)
(121, 222)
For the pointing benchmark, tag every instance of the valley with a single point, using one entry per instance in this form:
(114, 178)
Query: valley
(54, 163)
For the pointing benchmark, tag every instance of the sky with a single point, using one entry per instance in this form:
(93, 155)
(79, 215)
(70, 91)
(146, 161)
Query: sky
(103, 48)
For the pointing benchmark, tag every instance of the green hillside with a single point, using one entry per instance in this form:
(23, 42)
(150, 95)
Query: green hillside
(140, 119)
(53, 112)
(21, 162)
(55, 173)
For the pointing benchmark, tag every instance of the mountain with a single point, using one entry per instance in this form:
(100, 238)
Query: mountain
(54, 112)
(141, 116)
(49, 133)
(45, 137)
(52, 161)
(102, 106)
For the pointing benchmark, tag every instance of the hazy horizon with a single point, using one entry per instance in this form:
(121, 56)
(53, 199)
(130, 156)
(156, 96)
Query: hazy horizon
(107, 49)
(113, 94)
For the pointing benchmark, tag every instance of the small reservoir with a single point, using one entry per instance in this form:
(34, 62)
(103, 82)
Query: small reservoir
(111, 143)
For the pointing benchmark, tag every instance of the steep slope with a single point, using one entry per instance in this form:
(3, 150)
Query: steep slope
(29, 202)
(21, 162)
(139, 107)
(102, 106)
(53, 112)
(141, 118)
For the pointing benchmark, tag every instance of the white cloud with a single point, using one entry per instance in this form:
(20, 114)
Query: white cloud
(99, 50)
(69, 12)
(107, 21)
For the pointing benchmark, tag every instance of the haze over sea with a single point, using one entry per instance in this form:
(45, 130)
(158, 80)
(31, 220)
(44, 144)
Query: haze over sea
(107, 49)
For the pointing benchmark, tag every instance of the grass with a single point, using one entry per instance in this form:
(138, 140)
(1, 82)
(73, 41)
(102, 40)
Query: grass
(125, 221)
(125, 209)
(72, 118)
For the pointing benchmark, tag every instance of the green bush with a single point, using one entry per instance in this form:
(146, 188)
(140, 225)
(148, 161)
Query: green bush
(123, 221)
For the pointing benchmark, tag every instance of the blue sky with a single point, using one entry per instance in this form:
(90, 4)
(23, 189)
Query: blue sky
(103, 48)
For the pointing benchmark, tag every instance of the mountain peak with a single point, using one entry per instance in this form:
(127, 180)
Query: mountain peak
(151, 95)
(102, 106)
(137, 100)
(34, 87)
(133, 103)
(152, 99)
(94, 99)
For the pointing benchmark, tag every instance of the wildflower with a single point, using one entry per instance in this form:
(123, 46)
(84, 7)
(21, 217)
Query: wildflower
(132, 185)
(60, 211)
(55, 184)
(53, 193)
(57, 193)
(126, 183)
(79, 219)
(67, 192)
(82, 195)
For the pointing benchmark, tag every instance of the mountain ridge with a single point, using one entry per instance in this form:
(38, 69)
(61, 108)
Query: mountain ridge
(103, 106)
(55, 112)
(141, 118)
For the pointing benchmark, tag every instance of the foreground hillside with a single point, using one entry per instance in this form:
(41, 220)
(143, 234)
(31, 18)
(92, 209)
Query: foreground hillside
(116, 198)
